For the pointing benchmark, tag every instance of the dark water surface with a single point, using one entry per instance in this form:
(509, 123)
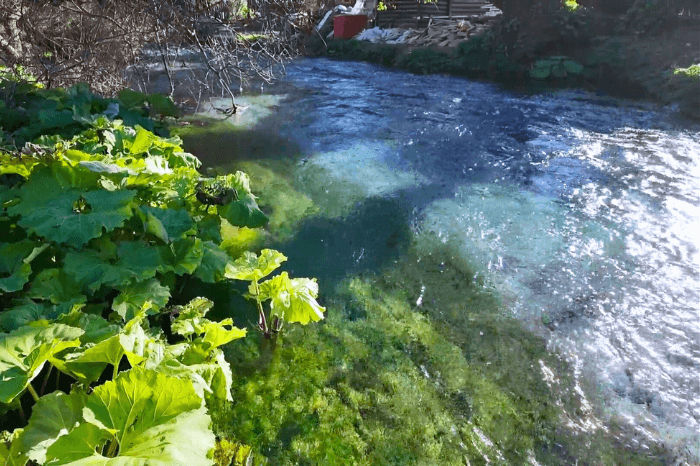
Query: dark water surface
(583, 212)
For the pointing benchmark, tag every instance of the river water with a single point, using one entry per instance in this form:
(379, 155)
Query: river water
(583, 211)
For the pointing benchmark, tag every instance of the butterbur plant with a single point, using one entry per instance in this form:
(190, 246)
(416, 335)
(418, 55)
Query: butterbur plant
(101, 223)
(291, 300)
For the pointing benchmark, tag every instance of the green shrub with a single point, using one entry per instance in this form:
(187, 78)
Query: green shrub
(556, 68)
(102, 224)
(473, 56)
(426, 61)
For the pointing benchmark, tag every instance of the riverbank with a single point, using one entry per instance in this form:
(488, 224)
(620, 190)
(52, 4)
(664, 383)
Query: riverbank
(615, 57)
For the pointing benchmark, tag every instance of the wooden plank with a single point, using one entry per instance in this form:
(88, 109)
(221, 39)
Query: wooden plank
(412, 13)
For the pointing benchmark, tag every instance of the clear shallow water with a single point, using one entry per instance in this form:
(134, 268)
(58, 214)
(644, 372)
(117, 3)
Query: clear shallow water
(584, 213)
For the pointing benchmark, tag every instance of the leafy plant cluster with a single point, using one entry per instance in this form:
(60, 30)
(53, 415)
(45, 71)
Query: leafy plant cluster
(102, 222)
(693, 71)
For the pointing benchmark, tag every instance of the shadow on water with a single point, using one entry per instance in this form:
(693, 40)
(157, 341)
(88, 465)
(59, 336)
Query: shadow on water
(375, 234)
(225, 144)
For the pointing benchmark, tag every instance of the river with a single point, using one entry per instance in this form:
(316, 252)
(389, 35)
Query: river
(582, 212)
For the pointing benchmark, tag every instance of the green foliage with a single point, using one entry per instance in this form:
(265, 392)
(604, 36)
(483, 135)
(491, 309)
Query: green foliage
(291, 300)
(23, 353)
(693, 71)
(571, 5)
(102, 224)
(556, 67)
(473, 56)
(294, 300)
(424, 61)
(155, 104)
(18, 75)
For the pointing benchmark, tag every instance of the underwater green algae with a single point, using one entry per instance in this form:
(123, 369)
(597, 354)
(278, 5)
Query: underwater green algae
(286, 206)
(380, 383)
(383, 389)
(384, 381)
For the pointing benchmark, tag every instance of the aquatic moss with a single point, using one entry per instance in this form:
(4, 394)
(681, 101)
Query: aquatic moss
(387, 381)
(386, 388)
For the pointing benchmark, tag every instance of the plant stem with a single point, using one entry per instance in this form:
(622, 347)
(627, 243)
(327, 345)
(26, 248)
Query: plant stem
(21, 412)
(46, 379)
(112, 448)
(262, 320)
(115, 371)
(33, 392)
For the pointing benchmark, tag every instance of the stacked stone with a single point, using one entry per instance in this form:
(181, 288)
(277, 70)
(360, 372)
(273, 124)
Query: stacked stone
(439, 33)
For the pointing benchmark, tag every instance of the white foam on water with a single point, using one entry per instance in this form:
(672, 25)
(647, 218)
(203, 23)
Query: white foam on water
(614, 265)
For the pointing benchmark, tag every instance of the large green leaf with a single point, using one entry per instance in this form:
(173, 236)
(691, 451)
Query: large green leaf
(24, 351)
(79, 447)
(208, 334)
(251, 267)
(182, 256)
(11, 449)
(558, 70)
(573, 67)
(132, 342)
(136, 294)
(139, 399)
(243, 213)
(220, 333)
(14, 268)
(292, 299)
(155, 419)
(54, 416)
(135, 260)
(208, 378)
(163, 105)
(91, 271)
(10, 164)
(209, 228)
(56, 286)
(131, 98)
(167, 224)
(69, 215)
(142, 142)
(96, 328)
(28, 311)
(238, 181)
(213, 266)
(190, 319)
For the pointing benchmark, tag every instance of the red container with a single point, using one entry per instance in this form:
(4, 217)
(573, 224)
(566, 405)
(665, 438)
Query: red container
(348, 26)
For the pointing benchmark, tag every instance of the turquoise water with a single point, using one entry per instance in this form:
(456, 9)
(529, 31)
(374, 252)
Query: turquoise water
(582, 212)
